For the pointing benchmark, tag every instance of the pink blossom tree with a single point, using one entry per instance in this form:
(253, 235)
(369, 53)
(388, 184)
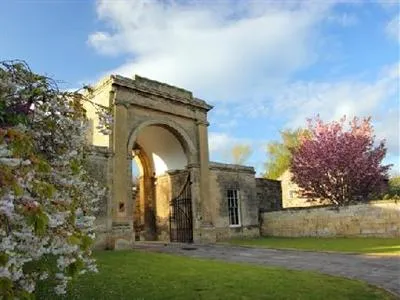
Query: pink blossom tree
(339, 163)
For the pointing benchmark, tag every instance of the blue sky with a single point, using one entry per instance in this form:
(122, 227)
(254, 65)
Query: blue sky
(264, 65)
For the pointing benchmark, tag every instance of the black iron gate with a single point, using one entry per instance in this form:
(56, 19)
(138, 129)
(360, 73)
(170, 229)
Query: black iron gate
(180, 216)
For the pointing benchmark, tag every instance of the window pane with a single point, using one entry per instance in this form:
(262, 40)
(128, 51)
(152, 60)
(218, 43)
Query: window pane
(233, 206)
(236, 217)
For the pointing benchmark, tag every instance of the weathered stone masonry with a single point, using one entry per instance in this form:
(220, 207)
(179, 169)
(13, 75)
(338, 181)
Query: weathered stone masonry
(179, 121)
(376, 218)
(148, 114)
(241, 178)
(269, 194)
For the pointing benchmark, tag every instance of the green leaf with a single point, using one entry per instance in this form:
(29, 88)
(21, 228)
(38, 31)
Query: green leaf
(6, 288)
(75, 267)
(44, 190)
(43, 167)
(17, 189)
(39, 220)
(3, 259)
(86, 242)
(24, 295)
(74, 240)
(75, 166)
(21, 145)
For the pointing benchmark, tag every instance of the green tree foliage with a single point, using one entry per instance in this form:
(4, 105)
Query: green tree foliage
(240, 153)
(279, 153)
(393, 190)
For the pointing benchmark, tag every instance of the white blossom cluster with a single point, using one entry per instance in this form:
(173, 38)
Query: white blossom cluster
(105, 121)
(47, 199)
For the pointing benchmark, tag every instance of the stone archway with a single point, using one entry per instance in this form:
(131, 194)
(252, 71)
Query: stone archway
(162, 151)
(137, 105)
(173, 127)
(164, 129)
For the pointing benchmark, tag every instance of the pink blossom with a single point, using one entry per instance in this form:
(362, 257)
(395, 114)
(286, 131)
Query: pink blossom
(338, 164)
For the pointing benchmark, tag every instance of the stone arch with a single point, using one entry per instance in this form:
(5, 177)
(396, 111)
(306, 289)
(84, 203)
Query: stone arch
(143, 108)
(181, 135)
(152, 214)
(142, 160)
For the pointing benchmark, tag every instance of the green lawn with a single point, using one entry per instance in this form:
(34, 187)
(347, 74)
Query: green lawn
(139, 275)
(357, 245)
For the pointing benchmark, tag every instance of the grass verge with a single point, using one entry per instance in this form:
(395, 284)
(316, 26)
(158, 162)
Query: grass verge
(381, 246)
(139, 275)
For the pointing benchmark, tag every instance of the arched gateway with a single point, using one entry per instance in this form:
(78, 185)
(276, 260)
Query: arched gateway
(176, 194)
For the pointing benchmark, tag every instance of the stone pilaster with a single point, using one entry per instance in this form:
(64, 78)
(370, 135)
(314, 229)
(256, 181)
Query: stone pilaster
(149, 209)
(122, 206)
(204, 173)
(206, 231)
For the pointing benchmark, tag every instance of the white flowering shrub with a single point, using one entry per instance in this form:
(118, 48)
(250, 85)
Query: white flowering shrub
(47, 199)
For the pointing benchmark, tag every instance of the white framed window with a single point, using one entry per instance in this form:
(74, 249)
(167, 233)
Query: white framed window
(232, 196)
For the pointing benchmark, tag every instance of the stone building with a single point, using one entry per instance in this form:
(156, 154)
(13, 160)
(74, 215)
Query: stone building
(291, 193)
(179, 195)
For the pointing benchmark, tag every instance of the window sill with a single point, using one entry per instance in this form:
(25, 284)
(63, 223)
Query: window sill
(235, 226)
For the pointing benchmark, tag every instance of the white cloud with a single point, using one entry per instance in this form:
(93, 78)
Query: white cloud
(387, 127)
(221, 50)
(221, 142)
(351, 97)
(100, 40)
(244, 52)
(393, 28)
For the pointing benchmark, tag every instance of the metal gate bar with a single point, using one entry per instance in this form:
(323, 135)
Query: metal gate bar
(180, 217)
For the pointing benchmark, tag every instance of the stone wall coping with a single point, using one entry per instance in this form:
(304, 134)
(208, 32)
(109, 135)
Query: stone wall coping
(333, 207)
(99, 150)
(395, 201)
(100, 85)
(231, 167)
(268, 180)
(166, 91)
(177, 171)
(171, 89)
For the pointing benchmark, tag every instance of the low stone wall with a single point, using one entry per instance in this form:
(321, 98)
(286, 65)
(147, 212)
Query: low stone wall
(376, 218)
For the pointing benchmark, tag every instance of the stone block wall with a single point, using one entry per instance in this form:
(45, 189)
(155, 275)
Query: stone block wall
(291, 193)
(98, 167)
(376, 218)
(269, 194)
(162, 198)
